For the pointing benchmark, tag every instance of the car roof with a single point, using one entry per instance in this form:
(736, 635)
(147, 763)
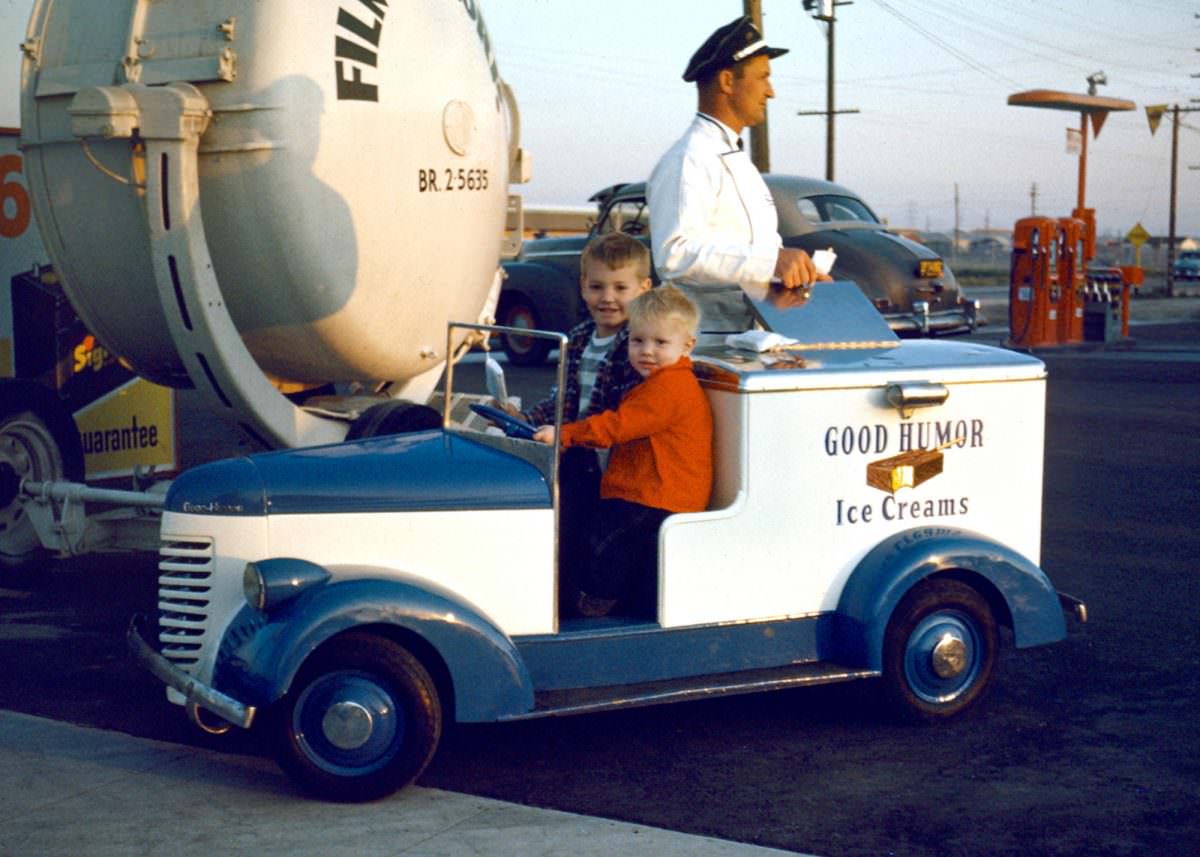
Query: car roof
(795, 185)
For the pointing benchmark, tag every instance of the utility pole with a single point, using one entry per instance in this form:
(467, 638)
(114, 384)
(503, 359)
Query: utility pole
(1033, 200)
(1154, 113)
(954, 246)
(823, 10)
(760, 138)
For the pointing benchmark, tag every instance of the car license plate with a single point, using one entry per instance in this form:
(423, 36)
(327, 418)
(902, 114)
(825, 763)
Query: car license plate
(929, 267)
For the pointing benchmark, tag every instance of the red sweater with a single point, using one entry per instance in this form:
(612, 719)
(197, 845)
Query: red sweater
(661, 436)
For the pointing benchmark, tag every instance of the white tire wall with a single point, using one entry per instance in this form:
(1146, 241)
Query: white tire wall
(340, 249)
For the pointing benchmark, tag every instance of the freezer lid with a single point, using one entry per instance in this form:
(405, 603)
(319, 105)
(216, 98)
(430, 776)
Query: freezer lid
(826, 315)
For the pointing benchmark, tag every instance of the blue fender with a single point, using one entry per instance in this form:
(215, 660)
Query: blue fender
(893, 567)
(260, 654)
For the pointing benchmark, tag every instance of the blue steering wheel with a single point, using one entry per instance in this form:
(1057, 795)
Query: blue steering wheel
(512, 426)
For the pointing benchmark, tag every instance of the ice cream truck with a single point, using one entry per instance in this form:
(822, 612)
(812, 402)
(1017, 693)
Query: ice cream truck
(866, 521)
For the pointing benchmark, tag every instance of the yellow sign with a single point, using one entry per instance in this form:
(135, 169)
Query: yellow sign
(1154, 115)
(1137, 235)
(134, 425)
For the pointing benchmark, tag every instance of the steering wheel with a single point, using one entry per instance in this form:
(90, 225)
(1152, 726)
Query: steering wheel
(512, 426)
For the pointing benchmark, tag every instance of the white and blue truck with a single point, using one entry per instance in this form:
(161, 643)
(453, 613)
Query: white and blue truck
(875, 514)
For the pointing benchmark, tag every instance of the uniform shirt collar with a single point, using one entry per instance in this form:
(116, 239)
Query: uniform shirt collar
(733, 140)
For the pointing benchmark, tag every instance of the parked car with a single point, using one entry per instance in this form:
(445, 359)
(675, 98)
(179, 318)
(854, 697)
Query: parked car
(1187, 265)
(875, 514)
(907, 282)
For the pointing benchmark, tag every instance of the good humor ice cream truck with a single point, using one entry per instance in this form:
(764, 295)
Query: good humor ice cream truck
(875, 514)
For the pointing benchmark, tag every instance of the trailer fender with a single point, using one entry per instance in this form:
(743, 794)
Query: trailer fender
(261, 653)
(1017, 589)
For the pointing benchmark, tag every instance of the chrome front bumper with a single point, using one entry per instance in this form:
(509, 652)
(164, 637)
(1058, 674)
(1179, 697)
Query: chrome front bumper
(198, 694)
(965, 317)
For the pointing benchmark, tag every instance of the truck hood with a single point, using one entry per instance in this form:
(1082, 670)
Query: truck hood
(423, 471)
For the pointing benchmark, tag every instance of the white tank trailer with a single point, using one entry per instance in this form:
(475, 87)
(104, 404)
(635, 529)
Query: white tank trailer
(251, 197)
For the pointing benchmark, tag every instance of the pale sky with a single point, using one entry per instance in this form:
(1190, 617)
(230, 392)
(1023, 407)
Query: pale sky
(599, 88)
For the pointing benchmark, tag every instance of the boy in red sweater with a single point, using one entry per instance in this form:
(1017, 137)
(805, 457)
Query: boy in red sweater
(661, 460)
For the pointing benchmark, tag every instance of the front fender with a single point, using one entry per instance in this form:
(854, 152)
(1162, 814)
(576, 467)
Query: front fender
(261, 654)
(900, 562)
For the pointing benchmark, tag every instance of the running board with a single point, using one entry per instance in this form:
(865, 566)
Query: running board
(592, 699)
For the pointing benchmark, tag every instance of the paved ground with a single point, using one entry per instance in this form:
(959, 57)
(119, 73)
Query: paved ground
(67, 791)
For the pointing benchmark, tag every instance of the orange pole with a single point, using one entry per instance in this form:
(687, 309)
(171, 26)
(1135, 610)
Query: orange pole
(1083, 134)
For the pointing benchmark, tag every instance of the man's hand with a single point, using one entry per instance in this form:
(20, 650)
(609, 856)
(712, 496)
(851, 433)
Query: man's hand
(544, 434)
(795, 268)
(507, 407)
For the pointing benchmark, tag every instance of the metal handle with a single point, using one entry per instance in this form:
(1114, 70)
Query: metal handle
(907, 395)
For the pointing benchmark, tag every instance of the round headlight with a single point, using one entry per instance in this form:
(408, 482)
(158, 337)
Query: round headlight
(253, 587)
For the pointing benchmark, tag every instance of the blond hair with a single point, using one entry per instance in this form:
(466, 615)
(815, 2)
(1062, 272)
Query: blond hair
(665, 302)
(616, 250)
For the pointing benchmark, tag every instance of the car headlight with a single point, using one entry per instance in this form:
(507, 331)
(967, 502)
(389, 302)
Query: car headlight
(268, 583)
(254, 587)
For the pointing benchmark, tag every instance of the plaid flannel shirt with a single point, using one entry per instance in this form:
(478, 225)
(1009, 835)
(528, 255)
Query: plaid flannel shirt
(614, 378)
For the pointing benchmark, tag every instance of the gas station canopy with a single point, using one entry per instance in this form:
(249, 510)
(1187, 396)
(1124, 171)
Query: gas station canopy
(1077, 102)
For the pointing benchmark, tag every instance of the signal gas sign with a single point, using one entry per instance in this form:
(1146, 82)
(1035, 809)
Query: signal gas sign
(134, 425)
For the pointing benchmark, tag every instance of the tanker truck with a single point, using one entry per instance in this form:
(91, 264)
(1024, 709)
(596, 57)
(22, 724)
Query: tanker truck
(255, 201)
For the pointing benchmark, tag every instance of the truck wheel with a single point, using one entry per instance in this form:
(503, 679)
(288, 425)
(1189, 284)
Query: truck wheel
(522, 350)
(939, 651)
(393, 417)
(361, 720)
(38, 441)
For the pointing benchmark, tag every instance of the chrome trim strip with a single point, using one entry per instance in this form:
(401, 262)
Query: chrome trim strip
(707, 692)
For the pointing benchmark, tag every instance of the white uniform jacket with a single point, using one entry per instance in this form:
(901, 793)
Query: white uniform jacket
(712, 217)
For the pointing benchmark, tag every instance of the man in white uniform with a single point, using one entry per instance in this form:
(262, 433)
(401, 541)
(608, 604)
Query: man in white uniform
(715, 230)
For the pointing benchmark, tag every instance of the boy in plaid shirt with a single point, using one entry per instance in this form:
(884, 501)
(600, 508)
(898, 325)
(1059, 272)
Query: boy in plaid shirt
(614, 269)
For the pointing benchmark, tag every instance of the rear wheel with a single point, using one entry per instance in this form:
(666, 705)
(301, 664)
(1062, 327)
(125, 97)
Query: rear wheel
(522, 350)
(939, 652)
(361, 720)
(38, 442)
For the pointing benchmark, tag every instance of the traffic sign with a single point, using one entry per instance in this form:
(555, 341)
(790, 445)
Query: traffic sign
(1137, 235)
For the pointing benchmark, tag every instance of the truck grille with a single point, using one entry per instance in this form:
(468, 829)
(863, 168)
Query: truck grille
(184, 593)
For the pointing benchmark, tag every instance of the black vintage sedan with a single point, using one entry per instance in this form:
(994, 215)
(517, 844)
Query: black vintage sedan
(908, 283)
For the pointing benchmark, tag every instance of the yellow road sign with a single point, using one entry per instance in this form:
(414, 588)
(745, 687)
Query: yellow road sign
(1138, 235)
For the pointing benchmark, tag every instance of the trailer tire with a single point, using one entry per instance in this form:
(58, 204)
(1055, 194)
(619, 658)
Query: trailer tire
(361, 720)
(38, 441)
(393, 417)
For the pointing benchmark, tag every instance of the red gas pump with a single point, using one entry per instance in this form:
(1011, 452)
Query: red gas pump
(1072, 278)
(1032, 296)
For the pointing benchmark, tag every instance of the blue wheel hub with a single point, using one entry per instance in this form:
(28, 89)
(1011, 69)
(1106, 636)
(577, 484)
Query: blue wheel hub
(942, 657)
(348, 723)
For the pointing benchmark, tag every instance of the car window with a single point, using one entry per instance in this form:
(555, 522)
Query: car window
(631, 216)
(825, 209)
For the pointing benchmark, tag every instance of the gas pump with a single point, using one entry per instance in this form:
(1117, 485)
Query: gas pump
(1072, 278)
(1033, 298)
(1073, 294)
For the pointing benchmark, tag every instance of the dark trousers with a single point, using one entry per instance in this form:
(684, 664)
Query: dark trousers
(624, 557)
(578, 496)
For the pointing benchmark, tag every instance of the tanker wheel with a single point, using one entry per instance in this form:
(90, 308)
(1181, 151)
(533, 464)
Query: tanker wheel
(939, 651)
(393, 417)
(361, 720)
(522, 350)
(39, 442)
